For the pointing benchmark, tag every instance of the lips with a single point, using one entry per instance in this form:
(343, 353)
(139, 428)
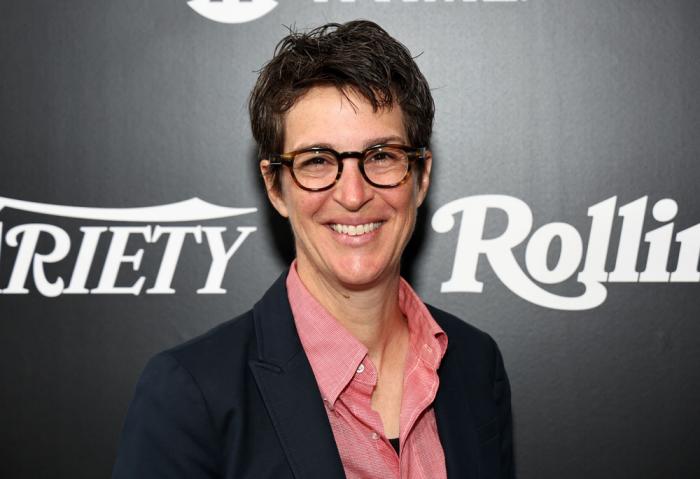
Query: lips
(355, 230)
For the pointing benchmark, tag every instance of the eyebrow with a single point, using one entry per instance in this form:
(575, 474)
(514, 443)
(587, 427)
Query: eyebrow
(372, 142)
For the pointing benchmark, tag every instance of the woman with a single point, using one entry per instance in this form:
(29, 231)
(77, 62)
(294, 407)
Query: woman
(340, 370)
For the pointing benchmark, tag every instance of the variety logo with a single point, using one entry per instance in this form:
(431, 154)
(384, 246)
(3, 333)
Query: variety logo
(29, 259)
(472, 243)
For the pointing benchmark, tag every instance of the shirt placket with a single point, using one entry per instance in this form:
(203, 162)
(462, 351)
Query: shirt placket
(363, 384)
(421, 382)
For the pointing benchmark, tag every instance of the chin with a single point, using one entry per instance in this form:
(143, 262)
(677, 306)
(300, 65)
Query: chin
(357, 273)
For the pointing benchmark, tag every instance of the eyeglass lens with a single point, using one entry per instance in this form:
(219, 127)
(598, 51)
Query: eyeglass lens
(318, 169)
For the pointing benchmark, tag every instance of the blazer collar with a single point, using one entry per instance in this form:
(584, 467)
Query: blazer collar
(453, 416)
(276, 334)
(289, 390)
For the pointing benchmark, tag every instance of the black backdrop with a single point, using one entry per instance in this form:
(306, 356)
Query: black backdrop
(553, 105)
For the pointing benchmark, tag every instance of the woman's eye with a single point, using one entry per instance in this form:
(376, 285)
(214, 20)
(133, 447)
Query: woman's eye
(382, 157)
(314, 162)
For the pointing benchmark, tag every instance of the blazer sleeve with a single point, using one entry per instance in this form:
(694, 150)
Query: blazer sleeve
(501, 393)
(168, 431)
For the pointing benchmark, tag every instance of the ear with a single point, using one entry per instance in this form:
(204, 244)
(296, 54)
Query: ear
(274, 194)
(424, 181)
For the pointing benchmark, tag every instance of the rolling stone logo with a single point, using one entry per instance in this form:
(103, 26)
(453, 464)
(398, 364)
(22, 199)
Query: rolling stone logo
(471, 244)
(158, 224)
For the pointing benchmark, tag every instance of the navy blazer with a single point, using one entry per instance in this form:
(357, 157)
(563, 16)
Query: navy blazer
(241, 401)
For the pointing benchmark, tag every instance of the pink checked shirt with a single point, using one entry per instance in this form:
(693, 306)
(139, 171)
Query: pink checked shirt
(346, 378)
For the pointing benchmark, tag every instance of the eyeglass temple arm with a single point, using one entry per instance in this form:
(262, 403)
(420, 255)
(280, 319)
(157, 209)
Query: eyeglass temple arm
(280, 159)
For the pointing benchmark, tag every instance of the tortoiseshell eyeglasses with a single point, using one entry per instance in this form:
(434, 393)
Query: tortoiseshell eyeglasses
(318, 169)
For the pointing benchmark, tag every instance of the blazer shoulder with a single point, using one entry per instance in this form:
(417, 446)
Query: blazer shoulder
(460, 331)
(231, 344)
(469, 345)
(235, 340)
(181, 404)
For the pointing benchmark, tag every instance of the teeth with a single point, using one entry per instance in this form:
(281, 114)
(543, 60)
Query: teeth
(355, 230)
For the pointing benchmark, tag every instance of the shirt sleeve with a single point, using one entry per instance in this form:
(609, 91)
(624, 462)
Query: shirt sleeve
(168, 431)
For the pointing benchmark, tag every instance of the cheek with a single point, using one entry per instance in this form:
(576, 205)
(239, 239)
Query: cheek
(303, 207)
(410, 206)
(404, 200)
(289, 193)
(404, 204)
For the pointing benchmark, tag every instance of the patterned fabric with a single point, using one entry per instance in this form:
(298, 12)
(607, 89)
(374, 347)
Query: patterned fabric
(346, 378)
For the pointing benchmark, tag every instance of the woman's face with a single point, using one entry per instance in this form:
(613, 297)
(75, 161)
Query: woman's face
(324, 117)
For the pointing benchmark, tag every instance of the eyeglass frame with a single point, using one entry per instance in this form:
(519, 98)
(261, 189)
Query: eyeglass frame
(287, 159)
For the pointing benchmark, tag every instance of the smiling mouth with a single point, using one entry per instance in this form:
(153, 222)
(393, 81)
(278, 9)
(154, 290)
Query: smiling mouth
(355, 230)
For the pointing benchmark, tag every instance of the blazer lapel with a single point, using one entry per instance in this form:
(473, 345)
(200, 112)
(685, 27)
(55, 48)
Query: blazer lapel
(289, 390)
(454, 419)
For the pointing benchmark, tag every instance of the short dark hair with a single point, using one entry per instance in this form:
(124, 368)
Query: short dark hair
(357, 55)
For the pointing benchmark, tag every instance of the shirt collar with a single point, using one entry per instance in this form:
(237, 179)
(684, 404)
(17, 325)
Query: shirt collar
(335, 354)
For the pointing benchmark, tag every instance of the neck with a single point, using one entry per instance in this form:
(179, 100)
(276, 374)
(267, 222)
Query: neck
(372, 314)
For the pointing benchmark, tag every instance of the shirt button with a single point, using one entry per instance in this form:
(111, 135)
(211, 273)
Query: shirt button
(375, 436)
(360, 368)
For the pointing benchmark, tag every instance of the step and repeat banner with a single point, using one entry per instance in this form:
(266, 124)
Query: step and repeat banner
(563, 217)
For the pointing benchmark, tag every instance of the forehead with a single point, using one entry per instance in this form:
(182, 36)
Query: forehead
(325, 116)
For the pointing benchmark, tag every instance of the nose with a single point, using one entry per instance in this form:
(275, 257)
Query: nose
(352, 191)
